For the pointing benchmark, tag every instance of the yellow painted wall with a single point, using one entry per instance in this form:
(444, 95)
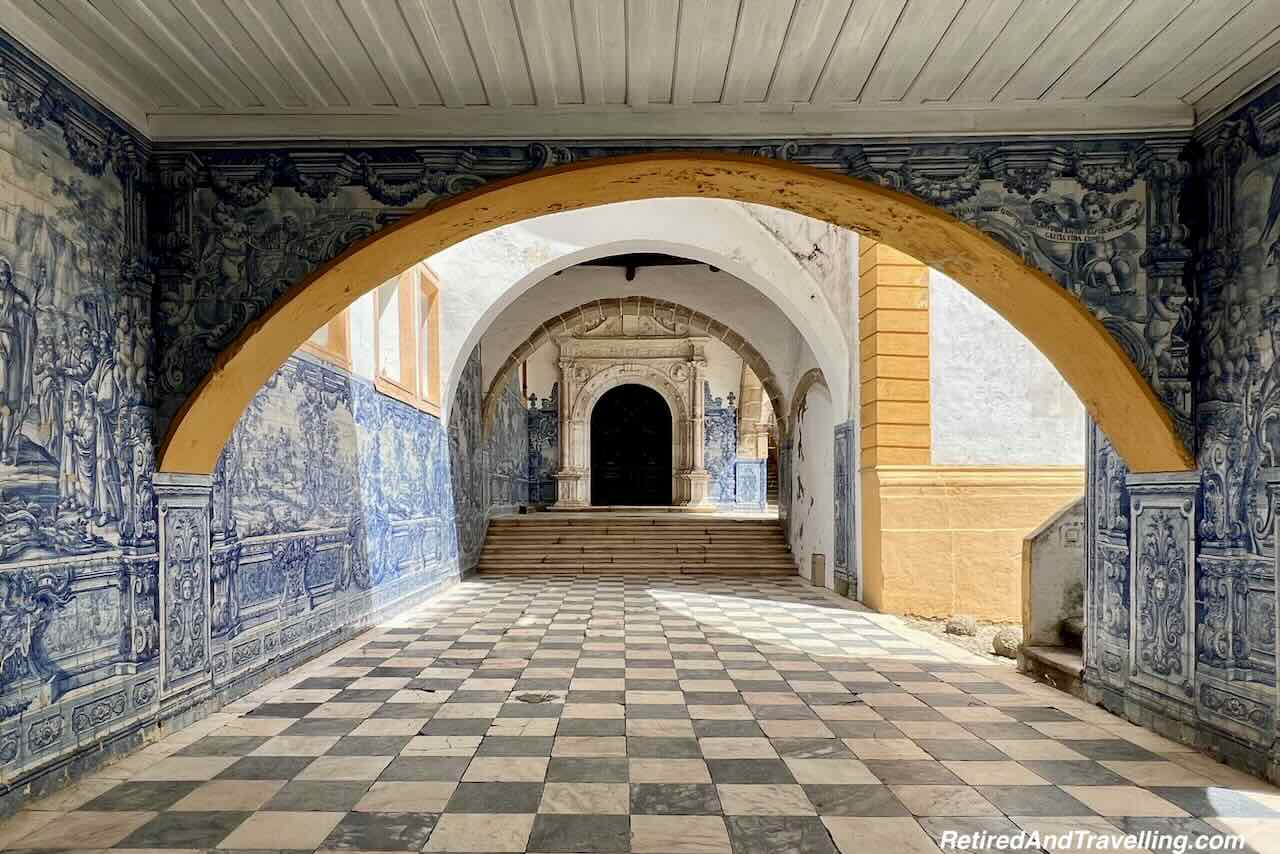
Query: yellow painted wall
(950, 537)
(936, 540)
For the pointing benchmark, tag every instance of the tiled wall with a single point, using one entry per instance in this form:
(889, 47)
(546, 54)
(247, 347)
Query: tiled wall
(332, 504)
(78, 562)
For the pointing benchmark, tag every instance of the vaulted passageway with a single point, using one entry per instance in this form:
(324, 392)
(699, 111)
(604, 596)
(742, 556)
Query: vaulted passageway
(259, 391)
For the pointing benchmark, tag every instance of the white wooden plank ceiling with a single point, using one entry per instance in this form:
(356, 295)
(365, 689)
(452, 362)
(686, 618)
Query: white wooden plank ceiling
(617, 68)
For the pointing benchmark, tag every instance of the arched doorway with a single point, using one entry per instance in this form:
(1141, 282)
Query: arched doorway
(1090, 359)
(630, 448)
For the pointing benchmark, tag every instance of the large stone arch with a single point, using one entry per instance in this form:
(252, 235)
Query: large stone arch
(1091, 360)
(591, 314)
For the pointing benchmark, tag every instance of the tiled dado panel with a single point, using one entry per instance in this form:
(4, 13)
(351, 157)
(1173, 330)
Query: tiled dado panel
(845, 547)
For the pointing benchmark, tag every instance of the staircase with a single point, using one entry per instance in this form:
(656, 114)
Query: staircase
(578, 543)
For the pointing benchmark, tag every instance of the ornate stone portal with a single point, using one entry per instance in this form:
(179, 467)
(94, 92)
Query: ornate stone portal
(618, 349)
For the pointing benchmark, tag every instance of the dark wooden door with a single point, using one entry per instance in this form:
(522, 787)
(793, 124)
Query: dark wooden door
(631, 448)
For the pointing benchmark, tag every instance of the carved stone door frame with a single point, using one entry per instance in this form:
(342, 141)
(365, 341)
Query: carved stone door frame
(673, 366)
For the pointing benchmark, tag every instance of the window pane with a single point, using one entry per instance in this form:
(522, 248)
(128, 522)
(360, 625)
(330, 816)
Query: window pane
(389, 330)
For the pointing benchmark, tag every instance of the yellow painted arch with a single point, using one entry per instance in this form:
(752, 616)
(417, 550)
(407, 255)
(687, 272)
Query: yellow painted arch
(1091, 361)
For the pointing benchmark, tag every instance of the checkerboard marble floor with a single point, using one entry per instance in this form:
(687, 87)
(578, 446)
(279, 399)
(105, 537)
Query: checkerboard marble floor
(662, 715)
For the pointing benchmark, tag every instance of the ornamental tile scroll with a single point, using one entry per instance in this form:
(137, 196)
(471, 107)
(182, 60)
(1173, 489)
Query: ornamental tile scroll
(185, 584)
(1162, 650)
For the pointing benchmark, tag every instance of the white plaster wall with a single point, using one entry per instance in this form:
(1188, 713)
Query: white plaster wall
(724, 370)
(829, 255)
(718, 294)
(543, 372)
(995, 399)
(480, 277)
(812, 519)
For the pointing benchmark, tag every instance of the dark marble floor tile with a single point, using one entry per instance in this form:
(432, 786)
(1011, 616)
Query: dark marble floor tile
(496, 798)
(788, 712)
(265, 768)
(1212, 801)
(911, 772)
(910, 713)
(727, 729)
(674, 799)
(319, 796)
(768, 834)
(749, 771)
(1033, 800)
(283, 710)
(951, 749)
(1004, 730)
(1109, 749)
(588, 834)
(1074, 772)
(406, 710)
(184, 830)
(223, 745)
(663, 748)
(425, 768)
(363, 695)
(810, 748)
(864, 729)
(657, 711)
(713, 698)
(854, 800)
(141, 795)
(463, 696)
(592, 726)
(369, 745)
(531, 710)
(574, 770)
(1038, 714)
(325, 683)
(322, 726)
(377, 831)
(512, 745)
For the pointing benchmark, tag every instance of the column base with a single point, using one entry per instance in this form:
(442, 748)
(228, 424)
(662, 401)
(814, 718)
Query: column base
(693, 491)
(573, 489)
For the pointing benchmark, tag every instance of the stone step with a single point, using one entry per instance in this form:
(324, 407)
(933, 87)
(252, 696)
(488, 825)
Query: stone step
(559, 560)
(638, 545)
(651, 548)
(744, 530)
(515, 540)
(633, 569)
(565, 544)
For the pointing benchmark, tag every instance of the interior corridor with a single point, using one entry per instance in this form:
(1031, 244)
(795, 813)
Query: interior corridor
(649, 714)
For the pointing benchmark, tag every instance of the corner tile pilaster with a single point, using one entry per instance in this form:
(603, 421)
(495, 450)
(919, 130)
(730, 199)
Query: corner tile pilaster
(184, 516)
(1162, 657)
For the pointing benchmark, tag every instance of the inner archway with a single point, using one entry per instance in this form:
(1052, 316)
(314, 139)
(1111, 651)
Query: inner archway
(631, 441)
(1089, 358)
